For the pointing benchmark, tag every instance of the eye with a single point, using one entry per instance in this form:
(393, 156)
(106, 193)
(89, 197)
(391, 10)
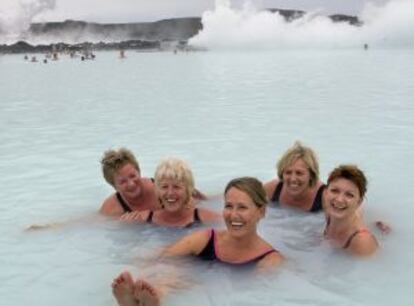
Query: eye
(227, 206)
(350, 195)
(334, 190)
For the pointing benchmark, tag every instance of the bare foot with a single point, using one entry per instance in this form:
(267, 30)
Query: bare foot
(123, 290)
(145, 294)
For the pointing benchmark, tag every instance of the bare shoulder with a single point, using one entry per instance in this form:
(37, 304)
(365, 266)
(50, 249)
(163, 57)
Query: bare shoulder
(208, 215)
(110, 207)
(364, 244)
(191, 244)
(271, 260)
(270, 187)
(148, 182)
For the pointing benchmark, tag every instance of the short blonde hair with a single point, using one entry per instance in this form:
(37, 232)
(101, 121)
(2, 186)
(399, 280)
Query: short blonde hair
(113, 160)
(299, 151)
(177, 170)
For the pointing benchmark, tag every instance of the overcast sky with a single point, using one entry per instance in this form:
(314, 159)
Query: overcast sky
(151, 10)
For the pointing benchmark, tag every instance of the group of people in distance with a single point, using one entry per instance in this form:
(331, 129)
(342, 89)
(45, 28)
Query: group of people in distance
(170, 199)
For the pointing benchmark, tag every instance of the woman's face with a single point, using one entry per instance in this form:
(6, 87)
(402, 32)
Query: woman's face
(341, 198)
(240, 213)
(296, 178)
(172, 194)
(127, 181)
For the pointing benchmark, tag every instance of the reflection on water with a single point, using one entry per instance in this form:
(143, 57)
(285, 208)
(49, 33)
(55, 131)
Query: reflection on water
(228, 114)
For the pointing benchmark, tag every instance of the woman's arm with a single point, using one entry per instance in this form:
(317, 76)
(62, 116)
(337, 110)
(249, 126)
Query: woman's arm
(191, 244)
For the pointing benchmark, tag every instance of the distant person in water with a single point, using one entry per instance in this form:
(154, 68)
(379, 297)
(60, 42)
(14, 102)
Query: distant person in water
(298, 183)
(343, 197)
(132, 192)
(174, 186)
(239, 244)
(122, 53)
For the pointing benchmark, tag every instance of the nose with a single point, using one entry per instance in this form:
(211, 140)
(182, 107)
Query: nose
(340, 197)
(130, 183)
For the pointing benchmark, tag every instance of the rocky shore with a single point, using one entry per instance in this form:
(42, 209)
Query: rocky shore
(164, 34)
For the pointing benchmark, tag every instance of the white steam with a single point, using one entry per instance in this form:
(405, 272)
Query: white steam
(16, 16)
(391, 25)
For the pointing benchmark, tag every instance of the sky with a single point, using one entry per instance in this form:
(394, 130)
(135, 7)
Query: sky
(152, 10)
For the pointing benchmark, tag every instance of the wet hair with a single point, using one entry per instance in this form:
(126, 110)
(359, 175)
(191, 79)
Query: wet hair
(299, 151)
(113, 160)
(177, 170)
(252, 187)
(351, 173)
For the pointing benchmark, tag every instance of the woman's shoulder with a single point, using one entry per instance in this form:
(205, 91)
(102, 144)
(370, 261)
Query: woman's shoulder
(363, 243)
(111, 207)
(272, 257)
(192, 243)
(206, 214)
(270, 187)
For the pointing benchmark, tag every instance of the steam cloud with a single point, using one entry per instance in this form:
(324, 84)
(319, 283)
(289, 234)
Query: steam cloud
(16, 17)
(391, 25)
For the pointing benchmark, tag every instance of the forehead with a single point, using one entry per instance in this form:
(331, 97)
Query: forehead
(344, 183)
(297, 164)
(234, 195)
(125, 170)
(170, 180)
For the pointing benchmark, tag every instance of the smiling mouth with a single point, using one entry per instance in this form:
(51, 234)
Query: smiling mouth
(236, 224)
(339, 207)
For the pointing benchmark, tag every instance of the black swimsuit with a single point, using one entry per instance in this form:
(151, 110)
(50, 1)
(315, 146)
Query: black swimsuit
(317, 202)
(123, 203)
(349, 240)
(196, 218)
(209, 252)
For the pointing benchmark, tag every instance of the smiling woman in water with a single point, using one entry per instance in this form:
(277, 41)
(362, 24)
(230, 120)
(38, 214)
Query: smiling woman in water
(343, 197)
(238, 245)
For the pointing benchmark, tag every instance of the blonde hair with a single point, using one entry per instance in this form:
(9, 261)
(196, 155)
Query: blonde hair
(299, 151)
(177, 170)
(113, 160)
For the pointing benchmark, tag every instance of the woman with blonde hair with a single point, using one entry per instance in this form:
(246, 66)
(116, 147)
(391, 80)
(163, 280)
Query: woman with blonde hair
(298, 183)
(174, 187)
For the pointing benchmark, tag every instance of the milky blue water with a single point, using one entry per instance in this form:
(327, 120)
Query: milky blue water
(228, 114)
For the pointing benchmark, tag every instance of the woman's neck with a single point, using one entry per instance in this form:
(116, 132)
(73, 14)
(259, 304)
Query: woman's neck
(344, 226)
(244, 242)
(176, 216)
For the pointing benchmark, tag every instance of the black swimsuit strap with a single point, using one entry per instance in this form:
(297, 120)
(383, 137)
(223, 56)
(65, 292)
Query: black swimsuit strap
(209, 252)
(196, 216)
(277, 192)
(328, 221)
(317, 203)
(348, 242)
(150, 215)
(123, 203)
